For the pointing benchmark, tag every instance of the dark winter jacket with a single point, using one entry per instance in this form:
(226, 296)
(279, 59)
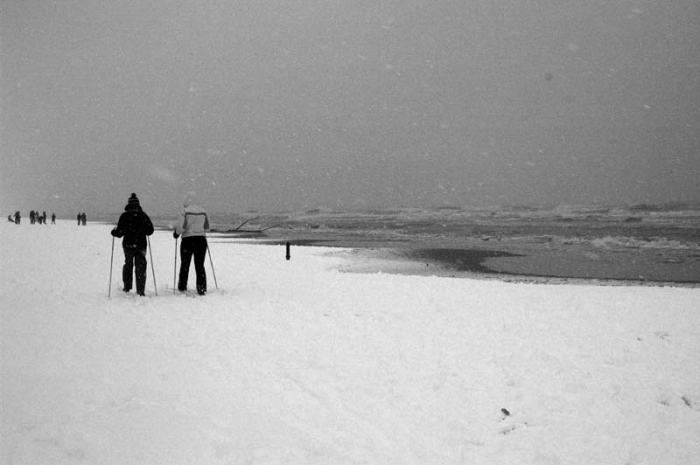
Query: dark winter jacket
(134, 225)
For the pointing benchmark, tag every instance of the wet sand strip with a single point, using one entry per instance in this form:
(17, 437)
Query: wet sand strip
(461, 260)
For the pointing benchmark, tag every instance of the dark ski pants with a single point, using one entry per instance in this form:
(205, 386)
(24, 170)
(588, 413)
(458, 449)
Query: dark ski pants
(193, 246)
(135, 257)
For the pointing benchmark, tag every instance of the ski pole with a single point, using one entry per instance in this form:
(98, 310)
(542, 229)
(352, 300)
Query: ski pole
(111, 261)
(175, 268)
(212, 265)
(155, 286)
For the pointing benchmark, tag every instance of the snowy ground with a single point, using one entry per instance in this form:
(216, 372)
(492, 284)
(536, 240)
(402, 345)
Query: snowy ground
(295, 362)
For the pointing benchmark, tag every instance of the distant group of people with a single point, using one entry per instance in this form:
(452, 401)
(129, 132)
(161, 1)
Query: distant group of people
(16, 219)
(82, 219)
(135, 226)
(34, 218)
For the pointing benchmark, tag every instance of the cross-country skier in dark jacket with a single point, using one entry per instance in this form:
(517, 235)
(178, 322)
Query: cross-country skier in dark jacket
(134, 225)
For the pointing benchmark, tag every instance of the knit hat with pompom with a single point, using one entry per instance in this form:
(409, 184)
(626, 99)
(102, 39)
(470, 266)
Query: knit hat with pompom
(133, 200)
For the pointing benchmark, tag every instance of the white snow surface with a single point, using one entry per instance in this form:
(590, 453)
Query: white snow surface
(296, 362)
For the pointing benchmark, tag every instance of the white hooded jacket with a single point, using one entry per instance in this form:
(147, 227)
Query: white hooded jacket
(193, 219)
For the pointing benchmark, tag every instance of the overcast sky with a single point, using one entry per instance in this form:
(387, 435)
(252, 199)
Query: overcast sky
(299, 104)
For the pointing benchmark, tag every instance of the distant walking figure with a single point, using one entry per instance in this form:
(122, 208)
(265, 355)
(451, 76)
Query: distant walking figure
(134, 225)
(53, 218)
(192, 226)
(18, 217)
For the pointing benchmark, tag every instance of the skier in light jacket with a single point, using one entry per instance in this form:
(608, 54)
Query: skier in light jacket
(192, 226)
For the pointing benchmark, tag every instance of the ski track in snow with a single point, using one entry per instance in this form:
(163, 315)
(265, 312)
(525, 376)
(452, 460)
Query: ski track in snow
(295, 362)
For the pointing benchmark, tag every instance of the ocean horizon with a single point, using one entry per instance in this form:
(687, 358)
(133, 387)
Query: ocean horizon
(640, 243)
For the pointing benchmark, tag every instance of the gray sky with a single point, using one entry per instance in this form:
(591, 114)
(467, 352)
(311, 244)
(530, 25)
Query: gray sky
(298, 104)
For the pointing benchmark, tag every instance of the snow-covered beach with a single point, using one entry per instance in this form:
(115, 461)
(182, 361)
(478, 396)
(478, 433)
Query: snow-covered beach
(295, 362)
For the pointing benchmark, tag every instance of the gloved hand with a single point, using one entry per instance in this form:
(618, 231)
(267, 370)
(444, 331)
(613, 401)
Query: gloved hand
(175, 235)
(114, 233)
